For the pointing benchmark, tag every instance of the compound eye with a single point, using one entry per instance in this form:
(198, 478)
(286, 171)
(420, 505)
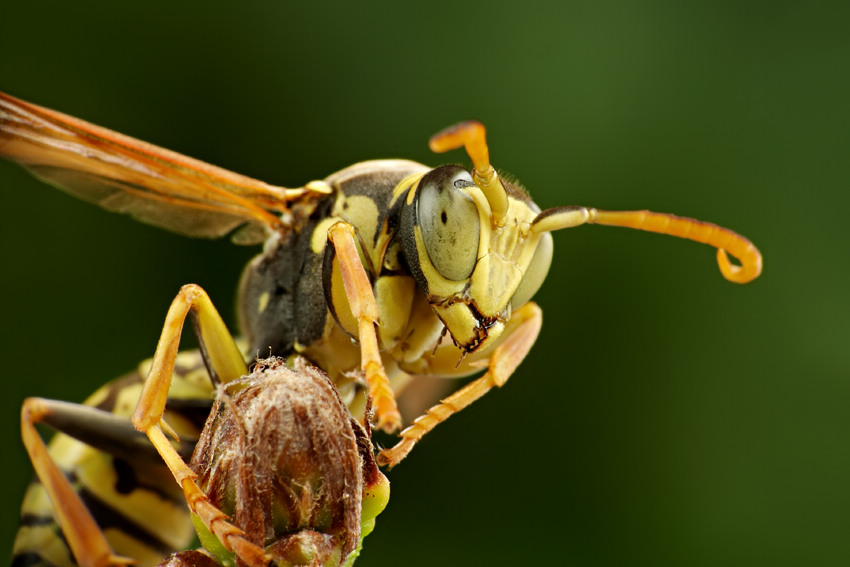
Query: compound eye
(448, 218)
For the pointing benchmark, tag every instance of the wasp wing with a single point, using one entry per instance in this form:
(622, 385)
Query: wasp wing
(125, 175)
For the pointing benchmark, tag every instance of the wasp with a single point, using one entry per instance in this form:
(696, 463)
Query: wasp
(385, 270)
(280, 454)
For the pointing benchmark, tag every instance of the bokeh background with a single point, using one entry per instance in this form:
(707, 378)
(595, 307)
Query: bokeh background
(665, 416)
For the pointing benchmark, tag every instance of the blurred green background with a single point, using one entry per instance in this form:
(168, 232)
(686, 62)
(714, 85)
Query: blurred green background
(665, 416)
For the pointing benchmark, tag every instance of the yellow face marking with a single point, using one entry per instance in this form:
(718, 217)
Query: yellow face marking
(509, 252)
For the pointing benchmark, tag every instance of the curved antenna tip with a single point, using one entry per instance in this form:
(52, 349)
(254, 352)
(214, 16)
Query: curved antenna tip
(746, 272)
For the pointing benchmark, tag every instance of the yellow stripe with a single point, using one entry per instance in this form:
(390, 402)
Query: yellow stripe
(42, 540)
(130, 547)
(36, 502)
(159, 512)
(158, 516)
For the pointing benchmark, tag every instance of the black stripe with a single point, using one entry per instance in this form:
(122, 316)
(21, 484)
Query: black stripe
(127, 481)
(107, 517)
(196, 410)
(114, 387)
(29, 559)
(30, 520)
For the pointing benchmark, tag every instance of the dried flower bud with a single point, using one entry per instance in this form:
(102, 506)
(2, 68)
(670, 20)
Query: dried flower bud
(192, 558)
(281, 455)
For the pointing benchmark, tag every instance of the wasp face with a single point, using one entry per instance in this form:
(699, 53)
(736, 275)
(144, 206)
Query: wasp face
(473, 265)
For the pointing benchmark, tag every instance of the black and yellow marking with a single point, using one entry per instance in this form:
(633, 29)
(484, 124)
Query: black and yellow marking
(133, 497)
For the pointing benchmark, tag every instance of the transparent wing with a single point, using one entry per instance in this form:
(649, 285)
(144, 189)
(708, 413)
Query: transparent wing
(125, 175)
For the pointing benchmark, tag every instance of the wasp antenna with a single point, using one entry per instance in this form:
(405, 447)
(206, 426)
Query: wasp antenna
(557, 218)
(472, 136)
(721, 238)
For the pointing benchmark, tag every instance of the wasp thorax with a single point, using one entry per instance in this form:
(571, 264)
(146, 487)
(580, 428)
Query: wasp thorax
(282, 456)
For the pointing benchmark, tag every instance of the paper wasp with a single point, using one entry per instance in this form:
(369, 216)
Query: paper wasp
(387, 267)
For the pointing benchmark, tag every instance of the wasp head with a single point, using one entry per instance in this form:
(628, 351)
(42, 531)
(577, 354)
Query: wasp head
(470, 246)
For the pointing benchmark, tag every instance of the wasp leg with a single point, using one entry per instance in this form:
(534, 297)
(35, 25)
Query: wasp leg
(361, 299)
(102, 430)
(84, 537)
(504, 360)
(225, 363)
(221, 354)
(214, 519)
